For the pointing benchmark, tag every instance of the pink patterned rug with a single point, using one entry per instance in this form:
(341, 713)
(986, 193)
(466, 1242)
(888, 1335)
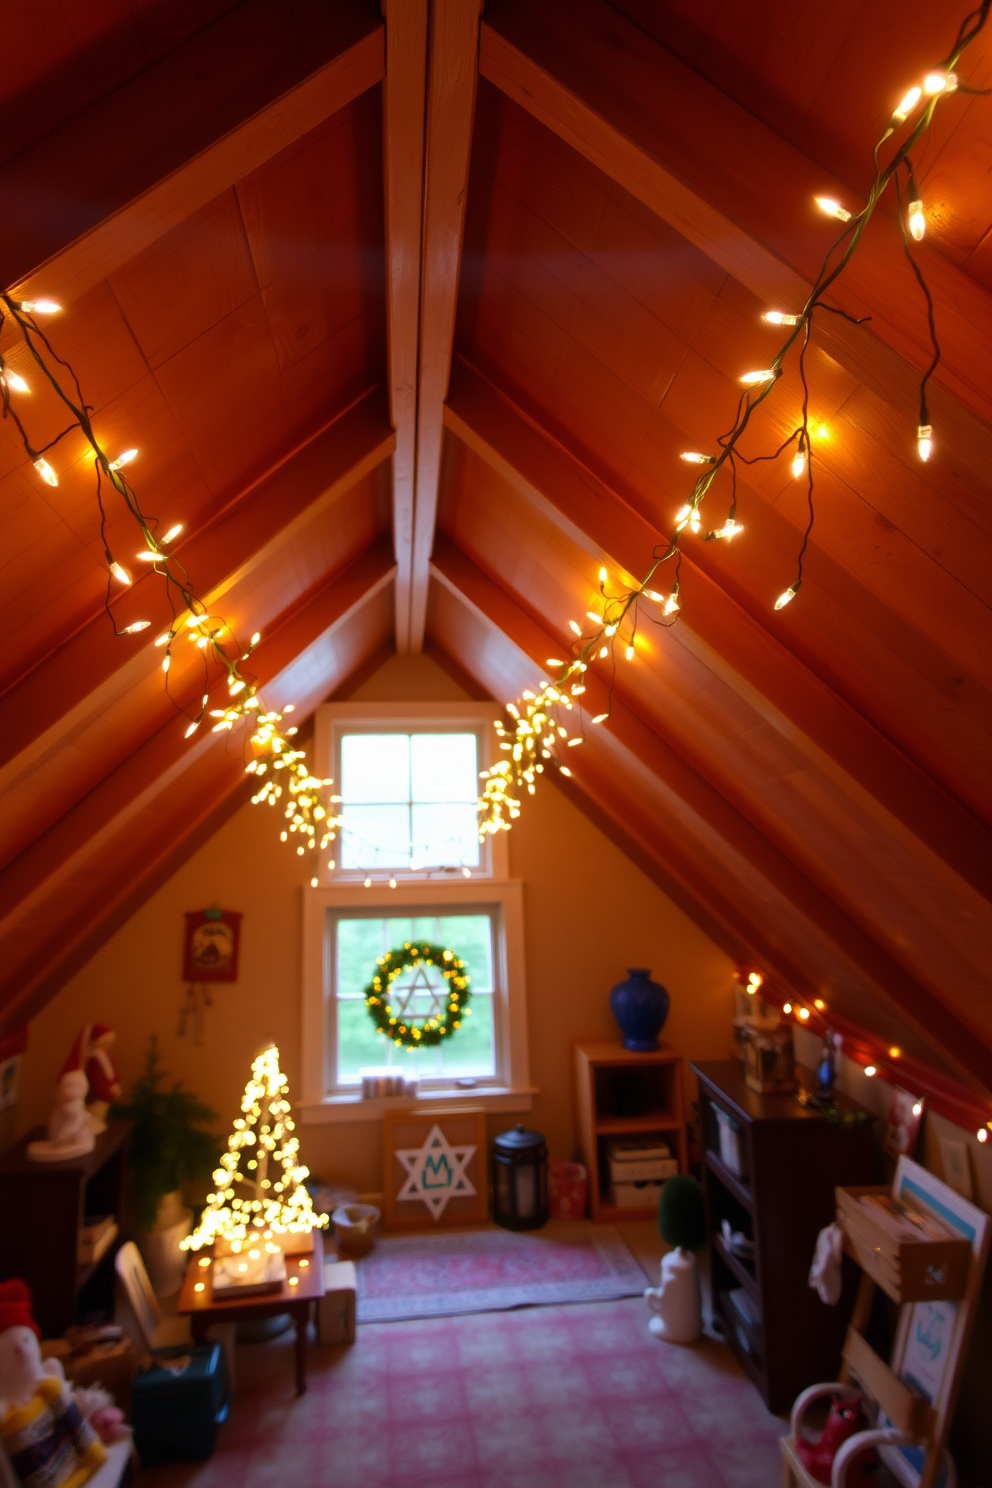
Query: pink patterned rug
(490, 1270)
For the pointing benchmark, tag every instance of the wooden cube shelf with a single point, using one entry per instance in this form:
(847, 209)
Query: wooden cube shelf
(620, 1093)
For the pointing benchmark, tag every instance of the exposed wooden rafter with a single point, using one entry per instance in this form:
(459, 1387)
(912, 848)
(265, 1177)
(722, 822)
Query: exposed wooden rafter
(109, 183)
(721, 857)
(404, 97)
(59, 897)
(742, 651)
(743, 195)
(451, 86)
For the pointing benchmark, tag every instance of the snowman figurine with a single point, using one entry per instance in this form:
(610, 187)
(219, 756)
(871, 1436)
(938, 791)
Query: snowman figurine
(676, 1304)
(70, 1132)
(44, 1434)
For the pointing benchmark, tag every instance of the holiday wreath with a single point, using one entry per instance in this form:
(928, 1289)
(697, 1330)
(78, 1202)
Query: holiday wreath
(394, 1018)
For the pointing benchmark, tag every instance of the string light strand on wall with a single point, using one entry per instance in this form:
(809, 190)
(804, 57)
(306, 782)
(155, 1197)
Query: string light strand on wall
(537, 732)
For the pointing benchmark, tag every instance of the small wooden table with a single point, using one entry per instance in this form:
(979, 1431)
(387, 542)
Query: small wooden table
(304, 1285)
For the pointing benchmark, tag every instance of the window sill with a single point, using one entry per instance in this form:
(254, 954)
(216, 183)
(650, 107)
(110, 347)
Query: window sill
(350, 1108)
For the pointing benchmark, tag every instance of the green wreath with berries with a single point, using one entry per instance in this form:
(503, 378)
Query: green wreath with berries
(394, 1023)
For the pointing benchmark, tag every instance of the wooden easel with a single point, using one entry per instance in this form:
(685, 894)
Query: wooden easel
(910, 1425)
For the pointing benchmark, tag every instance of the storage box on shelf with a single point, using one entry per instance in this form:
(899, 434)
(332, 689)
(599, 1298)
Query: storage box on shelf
(45, 1207)
(770, 1169)
(621, 1095)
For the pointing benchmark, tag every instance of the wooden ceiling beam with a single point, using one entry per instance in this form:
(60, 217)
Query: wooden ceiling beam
(58, 894)
(110, 182)
(237, 539)
(451, 87)
(744, 196)
(726, 638)
(749, 882)
(403, 106)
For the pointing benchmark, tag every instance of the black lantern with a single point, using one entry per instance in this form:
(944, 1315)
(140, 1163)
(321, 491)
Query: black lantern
(520, 1179)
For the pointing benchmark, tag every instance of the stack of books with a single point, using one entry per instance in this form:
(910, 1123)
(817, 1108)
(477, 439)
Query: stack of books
(99, 1231)
(638, 1169)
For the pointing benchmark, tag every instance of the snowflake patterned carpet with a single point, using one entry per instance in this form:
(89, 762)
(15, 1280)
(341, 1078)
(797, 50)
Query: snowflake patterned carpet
(547, 1397)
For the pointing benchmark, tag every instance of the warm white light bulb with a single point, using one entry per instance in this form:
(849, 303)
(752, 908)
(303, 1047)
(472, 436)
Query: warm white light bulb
(602, 575)
(924, 441)
(729, 529)
(172, 533)
(672, 605)
(833, 208)
(982, 1134)
(45, 471)
(192, 728)
(14, 381)
(574, 626)
(256, 638)
(779, 317)
(120, 573)
(164, 639)
(166, 662)
(751, 379)
(652, 594)
(785, 599)
(124, 459)
(940, 82)
(629, 653)
(870, 1070)
(692, 457)
(915, 220)
(799, 464)
(787, 1007)
(553, 662)
(147, 556)
(135, 626)
(40, 307)
(907, 105)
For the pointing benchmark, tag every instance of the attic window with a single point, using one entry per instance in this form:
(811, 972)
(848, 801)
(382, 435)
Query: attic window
(408, 778)
(408, 800)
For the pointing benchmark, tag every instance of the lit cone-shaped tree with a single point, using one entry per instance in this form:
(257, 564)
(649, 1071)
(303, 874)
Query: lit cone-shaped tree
(267, 1200)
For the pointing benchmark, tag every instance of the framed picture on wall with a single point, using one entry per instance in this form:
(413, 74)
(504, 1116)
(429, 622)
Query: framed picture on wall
(213, 938)
(434, 1168)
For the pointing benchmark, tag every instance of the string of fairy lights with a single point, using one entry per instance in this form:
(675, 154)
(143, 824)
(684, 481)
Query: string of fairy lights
(538, 730)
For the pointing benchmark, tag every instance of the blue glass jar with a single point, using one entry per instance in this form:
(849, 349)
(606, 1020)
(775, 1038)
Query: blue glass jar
(640, 1006)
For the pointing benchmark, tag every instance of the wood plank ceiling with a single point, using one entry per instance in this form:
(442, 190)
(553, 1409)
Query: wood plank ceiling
(410, 316)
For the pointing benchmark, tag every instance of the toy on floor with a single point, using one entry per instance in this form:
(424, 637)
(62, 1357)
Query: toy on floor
(677, 1302)
(70, 1132)
(48, 1442)
(845, 1419)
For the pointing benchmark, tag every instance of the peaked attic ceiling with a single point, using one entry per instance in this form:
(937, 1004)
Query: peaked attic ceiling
(410, 317)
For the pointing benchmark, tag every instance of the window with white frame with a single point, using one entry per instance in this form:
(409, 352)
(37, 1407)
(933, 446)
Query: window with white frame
(407, 782)
(409, 867)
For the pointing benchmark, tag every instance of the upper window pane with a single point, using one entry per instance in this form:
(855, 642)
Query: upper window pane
(444, 768)
(409, 800)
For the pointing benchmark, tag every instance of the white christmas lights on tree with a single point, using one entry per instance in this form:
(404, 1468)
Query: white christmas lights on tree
(260, 1198)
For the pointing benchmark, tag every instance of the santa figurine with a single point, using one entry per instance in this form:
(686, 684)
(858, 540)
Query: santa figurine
(91, 1054)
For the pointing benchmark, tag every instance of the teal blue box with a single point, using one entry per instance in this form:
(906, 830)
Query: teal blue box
(176, 1411)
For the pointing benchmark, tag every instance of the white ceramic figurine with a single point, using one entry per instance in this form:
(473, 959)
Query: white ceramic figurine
(70, 1132)
(677, 1302)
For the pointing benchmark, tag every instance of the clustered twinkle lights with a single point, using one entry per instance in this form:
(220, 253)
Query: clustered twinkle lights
(192, 621)
(533, 735)
(268, 1203)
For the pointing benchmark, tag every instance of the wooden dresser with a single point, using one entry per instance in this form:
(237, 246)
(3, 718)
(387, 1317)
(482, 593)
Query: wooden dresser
(789, 1159)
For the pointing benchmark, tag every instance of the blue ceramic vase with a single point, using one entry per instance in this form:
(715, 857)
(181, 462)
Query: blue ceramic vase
(640, 1006)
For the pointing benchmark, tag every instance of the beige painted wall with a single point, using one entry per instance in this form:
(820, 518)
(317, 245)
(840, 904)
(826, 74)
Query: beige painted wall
(590, 913)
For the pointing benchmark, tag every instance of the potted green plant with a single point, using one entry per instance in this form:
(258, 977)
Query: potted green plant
(677, 1303)
(168, 1147)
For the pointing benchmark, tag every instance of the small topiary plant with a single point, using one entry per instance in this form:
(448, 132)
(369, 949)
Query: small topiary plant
(681, 1215)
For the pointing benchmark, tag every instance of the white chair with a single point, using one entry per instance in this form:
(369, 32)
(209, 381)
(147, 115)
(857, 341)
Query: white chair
(157, 1331)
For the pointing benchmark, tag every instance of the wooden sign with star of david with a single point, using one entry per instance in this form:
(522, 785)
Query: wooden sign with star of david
(435, 1169)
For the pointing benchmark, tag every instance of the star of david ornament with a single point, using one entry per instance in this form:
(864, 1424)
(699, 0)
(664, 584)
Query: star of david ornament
(436, 1172)
(404, 998)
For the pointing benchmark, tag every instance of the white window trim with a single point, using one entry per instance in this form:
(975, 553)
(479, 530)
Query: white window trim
(412, 716)
(318, 1103)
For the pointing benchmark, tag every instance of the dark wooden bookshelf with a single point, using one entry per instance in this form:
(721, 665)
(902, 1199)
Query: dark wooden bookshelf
(792, 1159)
(42, 1206)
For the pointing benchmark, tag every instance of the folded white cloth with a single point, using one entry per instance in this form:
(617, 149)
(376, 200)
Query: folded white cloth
(824, 1275)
